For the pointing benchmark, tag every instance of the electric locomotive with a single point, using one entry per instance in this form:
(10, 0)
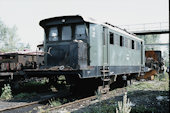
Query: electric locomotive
(87, 52)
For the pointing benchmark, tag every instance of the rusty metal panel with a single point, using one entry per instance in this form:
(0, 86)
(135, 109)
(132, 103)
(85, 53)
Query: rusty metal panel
(82, 55)
(16, 61)
(156, 55)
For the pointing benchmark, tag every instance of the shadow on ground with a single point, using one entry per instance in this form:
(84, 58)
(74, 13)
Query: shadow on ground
(141, 101)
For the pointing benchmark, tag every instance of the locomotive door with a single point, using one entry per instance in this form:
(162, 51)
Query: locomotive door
(105, 46)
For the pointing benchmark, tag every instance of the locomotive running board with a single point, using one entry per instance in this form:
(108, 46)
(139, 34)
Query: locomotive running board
(48, 72)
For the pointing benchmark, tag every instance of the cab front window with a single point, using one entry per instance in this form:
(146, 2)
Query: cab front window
(53, 34)
(66, 33)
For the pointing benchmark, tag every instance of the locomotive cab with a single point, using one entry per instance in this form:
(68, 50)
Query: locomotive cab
(66, 42)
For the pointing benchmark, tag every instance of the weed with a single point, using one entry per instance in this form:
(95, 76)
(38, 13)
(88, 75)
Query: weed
(6, 92)
(98, 95)
(162, 77)
(54, 102)
(124, 107)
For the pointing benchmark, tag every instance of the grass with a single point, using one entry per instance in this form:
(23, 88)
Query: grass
(25, 95)
(160, 83)
(57, 102)
(143, 109)
(36, 83)
(54, 103)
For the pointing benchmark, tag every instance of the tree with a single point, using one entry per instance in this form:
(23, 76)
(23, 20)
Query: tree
(27, 46)
(166, 56)
(150, 39)
(8, 38)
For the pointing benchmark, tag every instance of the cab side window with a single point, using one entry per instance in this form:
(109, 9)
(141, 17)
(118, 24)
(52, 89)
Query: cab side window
(80, 31)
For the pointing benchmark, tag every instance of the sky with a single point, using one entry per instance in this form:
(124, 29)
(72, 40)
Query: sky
(26, 14)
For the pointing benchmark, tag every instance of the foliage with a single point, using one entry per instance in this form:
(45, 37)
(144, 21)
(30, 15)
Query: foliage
(162, 77)
(36, 83)
(54, 102)
(166, 56)
(9, 40)
(57, 102)
(124, 107)
(161, 82)
(150, 39)
(24, 95)
(6, 92)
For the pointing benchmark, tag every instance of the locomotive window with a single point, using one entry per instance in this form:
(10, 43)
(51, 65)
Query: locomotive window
(121, 41)
(111, 38)
(133, 44)
(66, 33)
(80, 31)
(53, 34)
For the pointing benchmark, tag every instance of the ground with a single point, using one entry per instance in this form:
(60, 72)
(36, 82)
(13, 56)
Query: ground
(144, 96)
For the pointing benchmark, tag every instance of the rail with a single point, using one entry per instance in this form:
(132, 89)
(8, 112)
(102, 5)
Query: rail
(46, 98)
(87, 101)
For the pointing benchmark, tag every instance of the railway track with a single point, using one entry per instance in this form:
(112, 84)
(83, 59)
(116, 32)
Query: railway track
(71, 106)
(18, 108)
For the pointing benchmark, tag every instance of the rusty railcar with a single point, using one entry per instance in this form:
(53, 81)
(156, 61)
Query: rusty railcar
(154, 60)
(13, 63)
(18, 61)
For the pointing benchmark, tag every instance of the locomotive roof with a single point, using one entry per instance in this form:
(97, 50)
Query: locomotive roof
(44, 22)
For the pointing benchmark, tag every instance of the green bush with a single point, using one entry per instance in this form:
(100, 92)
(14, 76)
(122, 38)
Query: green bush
(6, 92)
